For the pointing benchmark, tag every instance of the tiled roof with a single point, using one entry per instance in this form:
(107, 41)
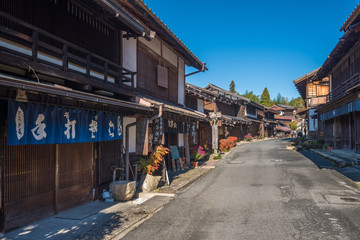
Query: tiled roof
(227, 92)
(171, 107)
(146, 13)
(355, 13)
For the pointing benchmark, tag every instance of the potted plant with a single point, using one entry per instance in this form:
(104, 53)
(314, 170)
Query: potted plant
(197, 154)
(148, 166)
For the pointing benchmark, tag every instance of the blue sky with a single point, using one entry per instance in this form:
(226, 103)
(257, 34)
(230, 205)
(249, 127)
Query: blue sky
(259, 43)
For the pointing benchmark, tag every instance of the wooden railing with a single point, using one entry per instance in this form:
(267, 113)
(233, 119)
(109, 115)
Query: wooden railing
(41, 47)
(340, 90)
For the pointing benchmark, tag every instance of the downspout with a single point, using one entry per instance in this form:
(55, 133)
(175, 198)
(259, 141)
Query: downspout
(203, 68)
(127, 141)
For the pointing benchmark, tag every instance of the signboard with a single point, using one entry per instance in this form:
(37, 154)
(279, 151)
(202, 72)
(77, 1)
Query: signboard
(174, 152)
(158, 131)
(38, 124)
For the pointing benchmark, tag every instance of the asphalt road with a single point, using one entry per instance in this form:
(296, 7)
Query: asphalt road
(260, 191)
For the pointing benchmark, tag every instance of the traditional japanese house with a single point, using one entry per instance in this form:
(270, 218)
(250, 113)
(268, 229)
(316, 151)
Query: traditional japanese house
(285, 115)
(340, 117)
(195, 99)
(160, 81)
(315, 94)
(269, 121)
(65, 86)
(255, 113)
(227, 114)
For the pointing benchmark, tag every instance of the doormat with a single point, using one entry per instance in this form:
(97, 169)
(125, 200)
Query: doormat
(85, 210)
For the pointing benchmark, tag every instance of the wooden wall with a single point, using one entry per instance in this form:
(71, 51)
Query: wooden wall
(29, 183)
(147, 77)
(191, 102)
(226, 108)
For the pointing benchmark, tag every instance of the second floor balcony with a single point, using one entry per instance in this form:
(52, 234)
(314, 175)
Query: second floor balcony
(38, 53)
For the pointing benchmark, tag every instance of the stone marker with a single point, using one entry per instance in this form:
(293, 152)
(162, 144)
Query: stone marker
(123, 190)
(149, 183)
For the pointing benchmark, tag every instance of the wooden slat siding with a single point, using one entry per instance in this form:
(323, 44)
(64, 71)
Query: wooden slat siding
(205, 134)
(110, 155)
(328, 131)
(75, 174)
(226, 108)
(191, 102)
(173, 85)
(28, 183)
(357, 132)
(29, 171)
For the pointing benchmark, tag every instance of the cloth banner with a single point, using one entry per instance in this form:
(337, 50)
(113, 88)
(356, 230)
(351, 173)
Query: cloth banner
(39, 124)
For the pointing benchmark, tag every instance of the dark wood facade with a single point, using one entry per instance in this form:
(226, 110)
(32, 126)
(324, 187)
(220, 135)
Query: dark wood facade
(339, 117)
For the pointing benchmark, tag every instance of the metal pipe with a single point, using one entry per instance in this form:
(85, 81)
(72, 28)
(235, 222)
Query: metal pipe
(127, 143)
(127, 140)
(203, 68)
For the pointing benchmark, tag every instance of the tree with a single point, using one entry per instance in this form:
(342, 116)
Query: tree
(232, 87)
(293, 125)
(251, 96)
(297, 102)
(265, 98)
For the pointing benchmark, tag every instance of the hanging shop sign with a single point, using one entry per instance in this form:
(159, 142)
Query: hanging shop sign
(38, 124)
(172, 126)
(192, 132)
(158, 131)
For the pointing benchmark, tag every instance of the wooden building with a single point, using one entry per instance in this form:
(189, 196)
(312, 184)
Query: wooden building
(195, 99)
(269, 121)
(315, 94)
(64, 93)
(227, 114)
(74, 76)
(340, 117)
(160, 81)
(255, 113)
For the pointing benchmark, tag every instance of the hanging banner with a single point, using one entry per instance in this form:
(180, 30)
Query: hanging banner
(38, 124)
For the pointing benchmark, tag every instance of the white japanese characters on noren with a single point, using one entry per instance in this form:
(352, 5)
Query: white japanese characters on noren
(39, 130)
(111, 129)
(69, 125)
(93, 126)
(20, 123)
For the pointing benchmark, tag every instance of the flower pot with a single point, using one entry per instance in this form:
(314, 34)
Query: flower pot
(194, 164)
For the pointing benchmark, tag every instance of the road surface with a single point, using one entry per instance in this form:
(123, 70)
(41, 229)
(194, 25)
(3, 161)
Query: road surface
(261, 190)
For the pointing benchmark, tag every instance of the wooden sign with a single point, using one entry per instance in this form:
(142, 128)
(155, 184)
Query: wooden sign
(158, 131)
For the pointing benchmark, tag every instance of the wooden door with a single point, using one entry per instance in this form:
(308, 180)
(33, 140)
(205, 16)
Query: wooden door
(110, 155)
(75, 175)
(29, 183)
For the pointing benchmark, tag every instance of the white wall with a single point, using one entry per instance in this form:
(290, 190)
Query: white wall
(313, 123)
(200, 105)
(180, 139)
(169, 55)
(130, 56)
(181, 82)
(132, 133)
(154, 44)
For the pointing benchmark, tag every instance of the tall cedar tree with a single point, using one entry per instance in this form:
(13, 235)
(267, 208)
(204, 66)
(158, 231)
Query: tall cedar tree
(232, 87)
(265, 98)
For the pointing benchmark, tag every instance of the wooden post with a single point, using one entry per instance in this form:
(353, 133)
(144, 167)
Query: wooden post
(65, 58)
(106, 66)
(57, 156)
(2, 159)
(187, 148)
(215, 136)
(142, 135)
(35, 46)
